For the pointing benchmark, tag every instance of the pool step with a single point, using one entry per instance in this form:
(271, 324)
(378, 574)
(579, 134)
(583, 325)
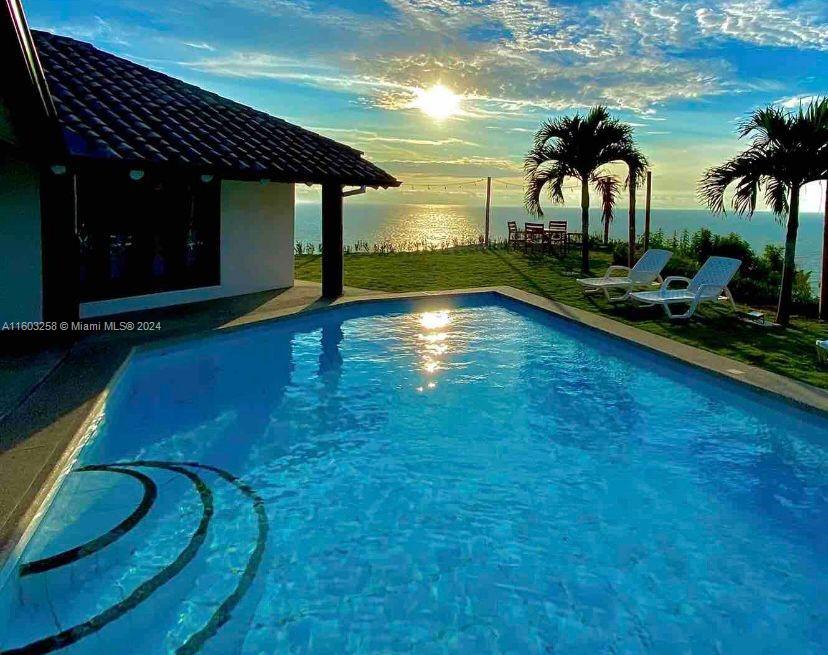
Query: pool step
(167, 599)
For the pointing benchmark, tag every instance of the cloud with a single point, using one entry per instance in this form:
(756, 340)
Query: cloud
(265, 65)
(513, 57)
(764, 23)
(373, 137)
(510, 129)
(198, 46)
(795, 102)
(476, 161)
(100, 29)
(506, 57)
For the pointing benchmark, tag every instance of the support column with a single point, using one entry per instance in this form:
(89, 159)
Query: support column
(647, 211)
(631, 239)
(332, 241)
(488, 206)
(61, 272)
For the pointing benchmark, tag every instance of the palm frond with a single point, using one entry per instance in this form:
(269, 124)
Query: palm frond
(607, 187)
(747, 170)
(765, 125)
(553, 128)
(776, 197)
(554, 175)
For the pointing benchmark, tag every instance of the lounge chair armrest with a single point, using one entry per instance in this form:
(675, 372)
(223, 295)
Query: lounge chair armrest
(614, 269)
(705, 288)
(674, 278)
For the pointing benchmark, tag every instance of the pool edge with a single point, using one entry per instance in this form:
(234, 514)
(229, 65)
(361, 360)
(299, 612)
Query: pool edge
(21, 529)
(801, 394)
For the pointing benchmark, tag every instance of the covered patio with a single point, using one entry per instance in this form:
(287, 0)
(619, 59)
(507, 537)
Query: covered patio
(125, 189)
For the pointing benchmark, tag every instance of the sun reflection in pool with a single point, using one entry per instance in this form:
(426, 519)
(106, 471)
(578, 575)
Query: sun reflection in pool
(435, 320)
(434, 344)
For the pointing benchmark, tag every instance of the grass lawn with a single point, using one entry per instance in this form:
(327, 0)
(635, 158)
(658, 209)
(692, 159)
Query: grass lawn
(788, 352)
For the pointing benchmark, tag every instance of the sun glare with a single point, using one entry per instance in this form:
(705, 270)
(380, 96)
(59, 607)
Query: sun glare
(438, 102)
(434, 320)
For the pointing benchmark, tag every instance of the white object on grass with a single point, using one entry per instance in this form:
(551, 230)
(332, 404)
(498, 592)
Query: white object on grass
(708, 285)
(646, 271)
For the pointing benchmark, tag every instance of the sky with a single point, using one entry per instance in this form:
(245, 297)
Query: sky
(443, 92)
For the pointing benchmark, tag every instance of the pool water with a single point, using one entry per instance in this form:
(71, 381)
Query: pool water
(462, 475)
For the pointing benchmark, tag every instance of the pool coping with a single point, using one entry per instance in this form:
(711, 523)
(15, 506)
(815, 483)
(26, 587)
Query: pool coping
(800, 394)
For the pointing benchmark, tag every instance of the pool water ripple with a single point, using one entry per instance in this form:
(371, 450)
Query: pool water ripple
(465, 477)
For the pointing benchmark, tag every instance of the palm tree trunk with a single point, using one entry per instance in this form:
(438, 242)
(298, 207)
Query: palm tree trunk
(585, 225)
(606, 231)
(783, 313)
(823, 283)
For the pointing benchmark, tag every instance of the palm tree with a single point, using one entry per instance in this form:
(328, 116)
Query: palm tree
(579, 146)
(788, 150)
(607, 186)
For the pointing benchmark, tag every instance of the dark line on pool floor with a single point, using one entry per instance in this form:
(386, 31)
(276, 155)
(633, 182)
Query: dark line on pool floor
(223, 613)
(93, 546)
(145, 589)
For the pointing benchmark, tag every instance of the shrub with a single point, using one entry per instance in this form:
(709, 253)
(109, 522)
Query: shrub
(620, 251)
(732, 245)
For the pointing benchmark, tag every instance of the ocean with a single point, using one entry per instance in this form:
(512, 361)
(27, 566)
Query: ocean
(404, 225)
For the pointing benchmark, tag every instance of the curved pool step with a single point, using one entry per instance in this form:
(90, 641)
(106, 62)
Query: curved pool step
(150, 493)
(195, 473)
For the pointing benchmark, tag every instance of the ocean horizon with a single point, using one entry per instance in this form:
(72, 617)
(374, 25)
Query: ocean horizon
(405, 224)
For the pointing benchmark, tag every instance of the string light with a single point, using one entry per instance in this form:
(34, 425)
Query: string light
(521, 186)
(445, 186)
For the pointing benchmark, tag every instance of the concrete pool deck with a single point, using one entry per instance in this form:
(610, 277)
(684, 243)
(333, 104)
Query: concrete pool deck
(49, 396)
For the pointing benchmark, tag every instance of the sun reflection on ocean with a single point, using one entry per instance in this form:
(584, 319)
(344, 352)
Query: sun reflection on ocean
(432, 225)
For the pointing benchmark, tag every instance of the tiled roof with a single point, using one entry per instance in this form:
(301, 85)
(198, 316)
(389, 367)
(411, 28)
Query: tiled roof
(111, 108)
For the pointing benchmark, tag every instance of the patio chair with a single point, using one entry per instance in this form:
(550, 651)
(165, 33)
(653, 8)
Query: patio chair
(646, 271)
(556, 235)
(534, 237)
(708, 285)
(516, 237)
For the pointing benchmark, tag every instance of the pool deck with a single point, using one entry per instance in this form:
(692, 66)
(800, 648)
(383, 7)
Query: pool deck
(49, 395)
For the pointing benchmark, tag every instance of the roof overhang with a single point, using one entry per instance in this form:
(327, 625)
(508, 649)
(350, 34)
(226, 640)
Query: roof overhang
(24, 90)
(90, 164)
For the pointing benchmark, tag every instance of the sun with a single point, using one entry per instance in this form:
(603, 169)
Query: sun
(438, 102)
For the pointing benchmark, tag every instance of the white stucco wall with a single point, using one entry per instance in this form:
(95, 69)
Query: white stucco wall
(256, 236)
(256, 249)
(21, 270)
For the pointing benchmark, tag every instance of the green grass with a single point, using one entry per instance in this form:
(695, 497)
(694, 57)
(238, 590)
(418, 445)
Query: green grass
(788, 352)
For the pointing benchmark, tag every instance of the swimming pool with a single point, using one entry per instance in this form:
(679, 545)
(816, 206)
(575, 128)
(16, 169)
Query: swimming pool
(451, 475)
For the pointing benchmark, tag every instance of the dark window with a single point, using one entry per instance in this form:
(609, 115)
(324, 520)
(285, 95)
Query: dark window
(159, 233)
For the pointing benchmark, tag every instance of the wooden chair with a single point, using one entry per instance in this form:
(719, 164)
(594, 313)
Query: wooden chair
(534, 237)
(557, 237)
(516, 237)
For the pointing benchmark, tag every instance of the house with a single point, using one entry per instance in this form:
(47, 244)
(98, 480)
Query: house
(122, 188)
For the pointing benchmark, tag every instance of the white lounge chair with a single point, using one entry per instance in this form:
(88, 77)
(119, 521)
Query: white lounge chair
(708, 285)
(646, 271)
